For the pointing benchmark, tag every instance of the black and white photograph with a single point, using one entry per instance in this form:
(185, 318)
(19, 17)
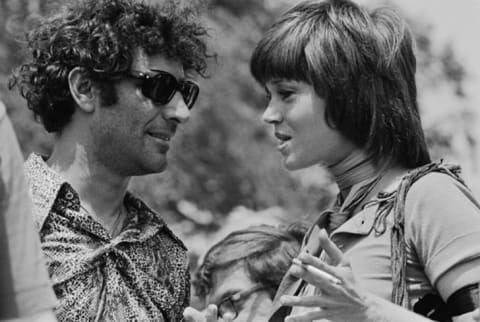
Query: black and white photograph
(239, 160)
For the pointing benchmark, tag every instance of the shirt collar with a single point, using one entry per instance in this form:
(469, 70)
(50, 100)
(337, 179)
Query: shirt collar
(44, 186)
(363, 221)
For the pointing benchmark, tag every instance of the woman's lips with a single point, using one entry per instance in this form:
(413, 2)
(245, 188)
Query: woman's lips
(284, 140)
(282, 136)
(283, 146)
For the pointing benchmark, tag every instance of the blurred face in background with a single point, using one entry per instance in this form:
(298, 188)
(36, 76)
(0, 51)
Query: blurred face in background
(297, 115)
(235, 294)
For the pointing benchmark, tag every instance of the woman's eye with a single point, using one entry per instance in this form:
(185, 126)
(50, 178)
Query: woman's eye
(284, 94)
(266, 100)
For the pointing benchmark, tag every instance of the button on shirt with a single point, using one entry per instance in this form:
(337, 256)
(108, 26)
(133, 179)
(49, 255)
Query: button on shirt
(139, 275)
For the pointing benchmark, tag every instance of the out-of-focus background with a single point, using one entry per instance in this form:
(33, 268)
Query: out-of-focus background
(224, 171)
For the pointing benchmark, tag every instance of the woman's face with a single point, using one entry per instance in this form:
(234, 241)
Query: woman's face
(297, 114)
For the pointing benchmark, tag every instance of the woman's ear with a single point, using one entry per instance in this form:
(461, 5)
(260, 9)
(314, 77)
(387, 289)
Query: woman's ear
(82, 89)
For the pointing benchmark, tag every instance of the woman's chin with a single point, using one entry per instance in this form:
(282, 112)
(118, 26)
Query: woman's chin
(291, 165)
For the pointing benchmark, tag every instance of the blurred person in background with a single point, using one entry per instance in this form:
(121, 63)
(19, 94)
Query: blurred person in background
(112, 80)
(25, 289)
(340, 82)
(241, 273)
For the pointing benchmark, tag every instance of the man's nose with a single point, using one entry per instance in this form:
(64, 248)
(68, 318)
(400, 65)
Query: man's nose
(177, 110)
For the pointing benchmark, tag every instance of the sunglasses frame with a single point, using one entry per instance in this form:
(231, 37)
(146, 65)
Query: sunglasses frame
(188, 89)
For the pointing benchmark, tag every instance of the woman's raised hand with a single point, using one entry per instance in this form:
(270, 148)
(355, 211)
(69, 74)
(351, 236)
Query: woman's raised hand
(337, 297)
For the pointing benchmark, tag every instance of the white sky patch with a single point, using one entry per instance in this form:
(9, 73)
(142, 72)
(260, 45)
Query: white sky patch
(454, 22)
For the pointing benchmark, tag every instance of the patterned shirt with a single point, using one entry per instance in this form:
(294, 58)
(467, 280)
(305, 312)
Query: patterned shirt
(139, 275)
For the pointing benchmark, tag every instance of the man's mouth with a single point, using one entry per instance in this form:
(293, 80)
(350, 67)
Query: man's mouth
(161, 136)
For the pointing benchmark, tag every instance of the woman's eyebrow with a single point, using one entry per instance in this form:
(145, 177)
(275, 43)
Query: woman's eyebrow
(285, 82)
(279, 81)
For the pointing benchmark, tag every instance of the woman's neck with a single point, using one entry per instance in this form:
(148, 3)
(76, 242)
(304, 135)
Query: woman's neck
(355, 168)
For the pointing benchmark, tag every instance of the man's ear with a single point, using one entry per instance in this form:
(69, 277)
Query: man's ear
(82, 89)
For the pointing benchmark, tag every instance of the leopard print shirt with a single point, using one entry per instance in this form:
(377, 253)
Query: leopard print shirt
(139, 275)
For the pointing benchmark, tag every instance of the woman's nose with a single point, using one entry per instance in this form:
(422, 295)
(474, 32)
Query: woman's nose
(271, 115)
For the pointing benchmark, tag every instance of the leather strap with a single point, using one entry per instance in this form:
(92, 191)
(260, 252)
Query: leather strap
(464, 300)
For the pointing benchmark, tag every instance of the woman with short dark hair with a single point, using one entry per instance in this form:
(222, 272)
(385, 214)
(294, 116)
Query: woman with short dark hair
(341, 90)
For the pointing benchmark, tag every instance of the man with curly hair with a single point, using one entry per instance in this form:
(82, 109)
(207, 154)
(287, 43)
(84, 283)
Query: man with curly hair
(110, 79)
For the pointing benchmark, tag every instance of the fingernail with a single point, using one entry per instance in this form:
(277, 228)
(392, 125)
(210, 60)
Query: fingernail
(295, 270)
(296, 261)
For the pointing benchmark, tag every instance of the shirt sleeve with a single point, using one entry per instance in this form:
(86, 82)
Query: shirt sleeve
(443, 218)
(25, 286)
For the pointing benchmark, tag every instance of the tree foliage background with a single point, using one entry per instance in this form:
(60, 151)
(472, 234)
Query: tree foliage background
(224, 172)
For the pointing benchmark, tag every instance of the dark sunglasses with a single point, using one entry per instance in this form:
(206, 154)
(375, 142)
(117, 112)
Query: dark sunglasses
(162, 86)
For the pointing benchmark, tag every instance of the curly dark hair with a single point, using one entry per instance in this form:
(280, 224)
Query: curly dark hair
(102, 35)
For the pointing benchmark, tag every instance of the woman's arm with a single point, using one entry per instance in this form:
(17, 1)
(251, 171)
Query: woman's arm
(442, 224)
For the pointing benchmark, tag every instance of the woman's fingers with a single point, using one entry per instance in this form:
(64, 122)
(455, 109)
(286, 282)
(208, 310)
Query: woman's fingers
(307, 259)
(332, 286)
(335, 254)
(317, 301)
(306, 317)
(306, 301)
(314, 276)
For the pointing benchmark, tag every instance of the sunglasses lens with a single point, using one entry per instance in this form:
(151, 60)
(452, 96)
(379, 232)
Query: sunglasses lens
(189, 92)
(160, 88)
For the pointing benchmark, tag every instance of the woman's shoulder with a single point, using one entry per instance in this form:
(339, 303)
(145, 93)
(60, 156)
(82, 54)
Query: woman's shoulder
(442, 223)
(437, 190)
(435, 179)
(435, 182)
